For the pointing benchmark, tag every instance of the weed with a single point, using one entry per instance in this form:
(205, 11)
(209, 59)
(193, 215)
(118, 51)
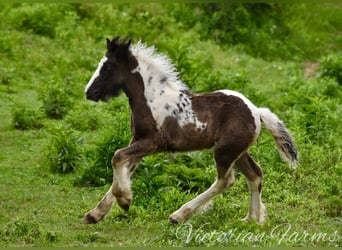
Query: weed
(64, 153)
(23, 231)
(56, 100)
(26, 118)
(248, 24)
(79, 121)
(51, 236)
(189, 67)
(331, 66)
(99, 170)
(7, 77)
(33, 18)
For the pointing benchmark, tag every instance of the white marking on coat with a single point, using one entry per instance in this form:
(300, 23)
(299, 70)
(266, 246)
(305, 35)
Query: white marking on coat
(96, 73)
(164, 91)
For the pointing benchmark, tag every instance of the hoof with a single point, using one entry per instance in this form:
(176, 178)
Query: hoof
(173, 221)
(125, 207)
(89, 219)
(124, 203)
(246, 219)
(250, 220)
(181, 215)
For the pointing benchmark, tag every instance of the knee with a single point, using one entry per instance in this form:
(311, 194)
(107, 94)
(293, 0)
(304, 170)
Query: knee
(256, 184)
(230, 181)
(225, 183)
(117, 157)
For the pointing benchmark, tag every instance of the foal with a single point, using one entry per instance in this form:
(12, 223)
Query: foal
(167, 117)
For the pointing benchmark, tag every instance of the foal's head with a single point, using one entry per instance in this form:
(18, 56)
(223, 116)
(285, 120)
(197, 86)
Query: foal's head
(112, 72)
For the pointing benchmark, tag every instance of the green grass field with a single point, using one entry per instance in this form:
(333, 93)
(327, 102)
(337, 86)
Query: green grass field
(56, 147)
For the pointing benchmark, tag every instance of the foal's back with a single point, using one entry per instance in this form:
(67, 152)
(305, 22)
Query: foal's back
(225, 116)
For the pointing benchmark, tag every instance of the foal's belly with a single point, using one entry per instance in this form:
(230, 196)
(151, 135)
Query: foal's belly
(189, 138)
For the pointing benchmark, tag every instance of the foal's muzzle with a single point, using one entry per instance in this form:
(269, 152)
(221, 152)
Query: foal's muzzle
(93, 95)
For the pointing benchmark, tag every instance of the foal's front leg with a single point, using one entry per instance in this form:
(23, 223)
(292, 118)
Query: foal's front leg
(106, 203)
(122, 171)
(124, 163)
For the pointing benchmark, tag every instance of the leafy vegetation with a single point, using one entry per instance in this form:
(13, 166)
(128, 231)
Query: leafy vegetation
(26, 118)
(56, 147)
(332, 66)
(56, 100)
(64, 151)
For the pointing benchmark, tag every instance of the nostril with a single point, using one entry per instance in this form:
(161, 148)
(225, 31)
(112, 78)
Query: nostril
(88, 94)
(93, 95)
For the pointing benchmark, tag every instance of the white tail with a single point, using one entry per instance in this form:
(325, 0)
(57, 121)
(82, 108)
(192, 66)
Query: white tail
(282, 136)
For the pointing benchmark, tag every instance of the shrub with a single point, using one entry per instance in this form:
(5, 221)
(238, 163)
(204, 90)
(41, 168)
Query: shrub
(116, 136)
(189, 67)
(26, 118)
(259, 27)
(33, 17)
(331, 66)
(64, 152)
(331, 88)
(56, 100)
(7, 77)
(82, 119)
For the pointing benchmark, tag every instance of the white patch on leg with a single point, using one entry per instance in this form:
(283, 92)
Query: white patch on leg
(195, 205)
(262, 213)
(109, 198)
(257, 209)
(255, 205)
(122, 185)
(122, 176)
(106, 203)
(102, 208)
(96, 73)
(208, 206)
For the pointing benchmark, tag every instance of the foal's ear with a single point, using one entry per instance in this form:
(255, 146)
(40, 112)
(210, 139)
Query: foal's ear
(108, 44)
(128, 43)
(112, 45)
(122, 51)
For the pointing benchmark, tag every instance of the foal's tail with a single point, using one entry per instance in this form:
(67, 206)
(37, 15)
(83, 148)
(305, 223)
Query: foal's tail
(281, 135)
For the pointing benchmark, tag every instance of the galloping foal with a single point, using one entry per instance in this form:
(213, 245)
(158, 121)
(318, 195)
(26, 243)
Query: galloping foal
(167, 117)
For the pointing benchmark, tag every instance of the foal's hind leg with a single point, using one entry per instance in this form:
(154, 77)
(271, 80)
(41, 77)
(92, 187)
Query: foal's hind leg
(225, 179)
(193, 206)
(254, 176)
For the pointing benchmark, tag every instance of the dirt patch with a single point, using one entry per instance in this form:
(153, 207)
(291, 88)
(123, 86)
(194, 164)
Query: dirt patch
(310, 68)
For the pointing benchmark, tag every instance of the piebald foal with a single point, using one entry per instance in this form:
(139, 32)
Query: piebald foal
(167, 117)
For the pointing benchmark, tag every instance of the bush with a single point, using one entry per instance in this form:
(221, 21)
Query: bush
(33, 17)
(331, 88)
(260, 28)
(56, 100)
(331, 66)
(82, 119)
(26, 118)
(99, 171)
(187, 64)
(64, 153)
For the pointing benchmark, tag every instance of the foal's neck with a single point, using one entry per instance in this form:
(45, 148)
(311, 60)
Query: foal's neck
(134, 89)
(142, 123)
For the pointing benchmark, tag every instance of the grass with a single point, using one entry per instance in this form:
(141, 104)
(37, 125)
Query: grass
(59, 51)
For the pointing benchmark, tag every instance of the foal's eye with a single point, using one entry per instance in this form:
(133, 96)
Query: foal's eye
(108, 67)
